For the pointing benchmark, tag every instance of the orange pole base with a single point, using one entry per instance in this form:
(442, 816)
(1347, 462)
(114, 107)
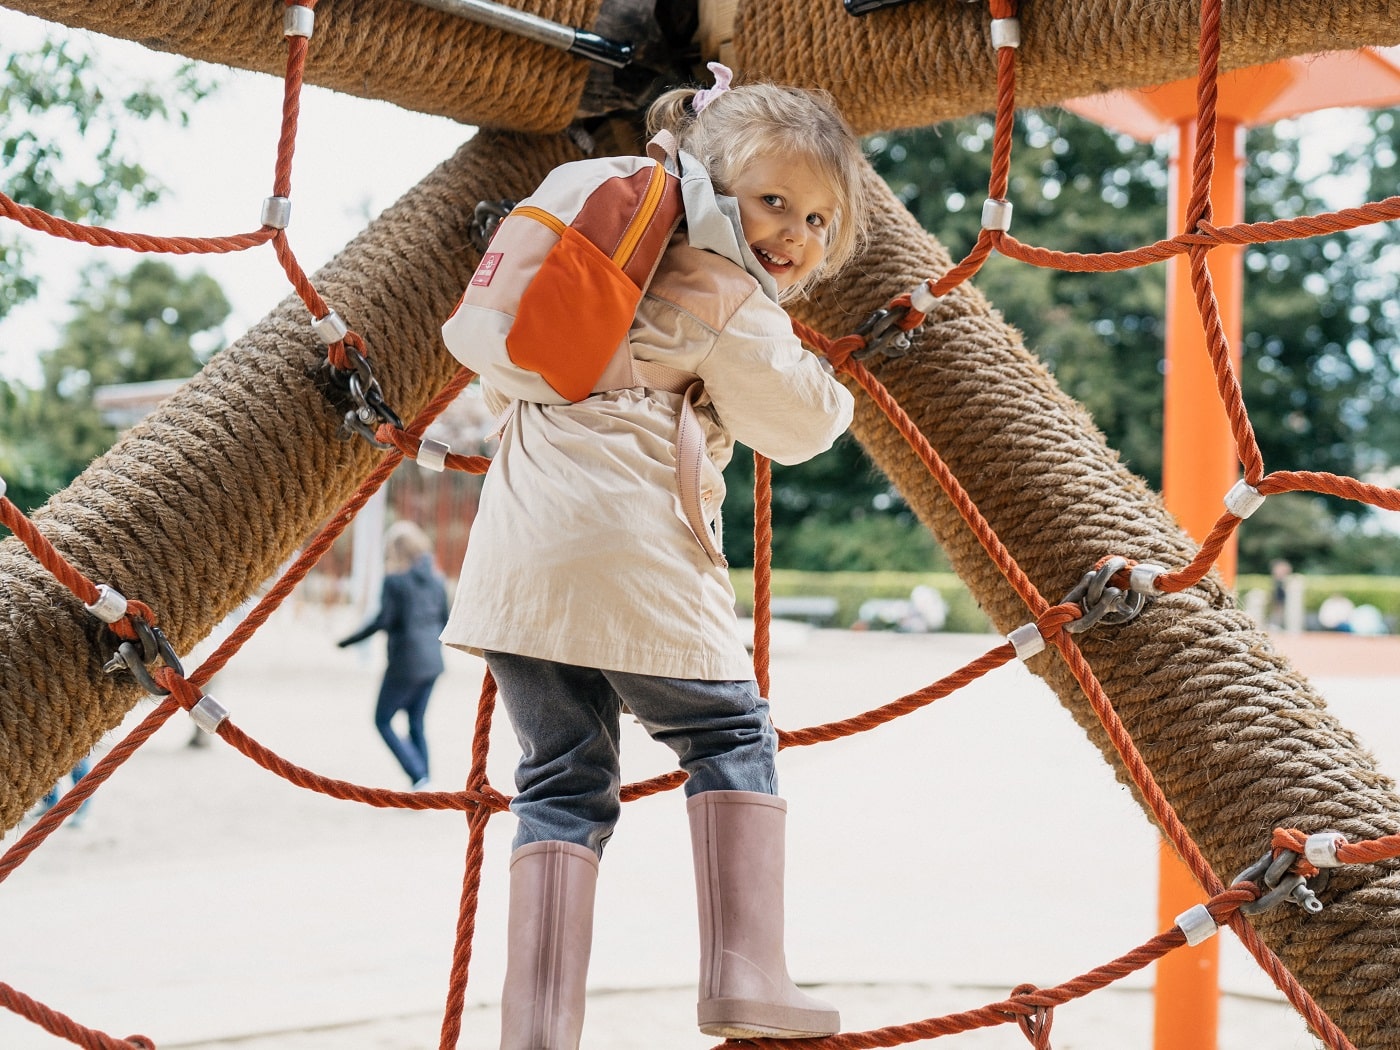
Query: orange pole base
(1187, 1014)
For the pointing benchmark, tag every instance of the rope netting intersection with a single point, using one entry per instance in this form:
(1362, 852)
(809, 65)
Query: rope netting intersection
(1114, 589)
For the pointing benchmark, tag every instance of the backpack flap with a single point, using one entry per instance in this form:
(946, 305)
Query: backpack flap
(573, 316)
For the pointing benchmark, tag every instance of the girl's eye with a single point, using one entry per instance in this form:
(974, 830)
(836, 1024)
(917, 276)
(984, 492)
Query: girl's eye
(816, 220)
(772, 200)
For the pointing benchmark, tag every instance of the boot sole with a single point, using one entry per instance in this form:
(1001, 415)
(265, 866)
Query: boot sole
(744, 1019)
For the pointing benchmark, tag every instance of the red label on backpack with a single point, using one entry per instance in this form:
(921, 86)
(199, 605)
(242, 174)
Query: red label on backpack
(486, 269)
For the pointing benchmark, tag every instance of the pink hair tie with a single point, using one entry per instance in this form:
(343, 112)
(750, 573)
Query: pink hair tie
(723, 75)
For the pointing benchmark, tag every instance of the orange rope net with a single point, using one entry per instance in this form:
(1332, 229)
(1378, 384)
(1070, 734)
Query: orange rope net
(135, 625)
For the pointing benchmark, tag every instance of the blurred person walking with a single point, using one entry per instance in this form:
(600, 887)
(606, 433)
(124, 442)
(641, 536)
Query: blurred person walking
(412, 612)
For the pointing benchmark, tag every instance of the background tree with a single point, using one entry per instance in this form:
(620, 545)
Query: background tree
(1320, 321)
(837, 511)
(63, 151)
(61, 144)
(136, 327)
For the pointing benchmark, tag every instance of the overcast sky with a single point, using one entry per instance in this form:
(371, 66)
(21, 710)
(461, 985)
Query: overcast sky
(353, 159)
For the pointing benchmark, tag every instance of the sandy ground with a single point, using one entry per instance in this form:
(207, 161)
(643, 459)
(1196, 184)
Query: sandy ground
(208, 904)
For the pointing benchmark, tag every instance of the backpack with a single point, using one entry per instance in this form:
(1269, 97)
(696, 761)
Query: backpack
(546, 314)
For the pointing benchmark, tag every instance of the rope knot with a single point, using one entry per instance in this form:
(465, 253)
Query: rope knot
(840, 351)
(1291, 840)
(138, 614)
(1054, 619)
(1036, 1018)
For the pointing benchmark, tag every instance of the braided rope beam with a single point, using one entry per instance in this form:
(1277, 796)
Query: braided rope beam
(201, 502)
(930, 61)
(396, 50)
(1238, 741)
(903, 67)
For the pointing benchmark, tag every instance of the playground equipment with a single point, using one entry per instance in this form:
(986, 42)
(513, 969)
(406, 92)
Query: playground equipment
(234, 473)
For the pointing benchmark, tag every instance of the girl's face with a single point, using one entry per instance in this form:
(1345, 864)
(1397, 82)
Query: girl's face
(786, 210)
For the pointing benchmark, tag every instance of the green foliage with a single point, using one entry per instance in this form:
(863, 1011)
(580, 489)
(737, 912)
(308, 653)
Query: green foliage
(137, 327)
(836, 511)
(62, 151)
(1076, 187)
(1294, 527)
(1320, 341)
(1320, 321)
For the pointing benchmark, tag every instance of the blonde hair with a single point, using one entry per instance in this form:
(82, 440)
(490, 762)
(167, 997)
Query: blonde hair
(754, 119)
(404, 544)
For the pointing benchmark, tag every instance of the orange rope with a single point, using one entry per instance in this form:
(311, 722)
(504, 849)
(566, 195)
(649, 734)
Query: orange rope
(1028, 1006)
(1027, 1002)
(762, 568)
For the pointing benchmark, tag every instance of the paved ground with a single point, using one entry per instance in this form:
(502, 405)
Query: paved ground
(208, 904)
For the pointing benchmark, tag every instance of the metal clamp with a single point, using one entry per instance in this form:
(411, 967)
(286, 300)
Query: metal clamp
(1197, 924)
(883, 335)
(298, 20)
(153, 644)
(208, 714)
(432, 454)
(370, 407)
(110, 605)
(1102, 602)
(1279, 884)
(486, 216)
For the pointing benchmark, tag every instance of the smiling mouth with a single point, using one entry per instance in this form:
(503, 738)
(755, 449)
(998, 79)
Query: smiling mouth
(771, 262)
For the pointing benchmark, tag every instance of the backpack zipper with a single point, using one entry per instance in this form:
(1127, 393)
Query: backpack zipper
(631, 237)
(541, 216)
(638, 226)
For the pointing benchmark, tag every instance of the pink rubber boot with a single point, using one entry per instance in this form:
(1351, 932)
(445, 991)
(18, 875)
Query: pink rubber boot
(550, 937)
(745, 990)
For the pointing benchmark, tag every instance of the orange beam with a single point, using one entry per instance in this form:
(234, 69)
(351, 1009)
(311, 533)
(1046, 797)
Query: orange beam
(1199, 466)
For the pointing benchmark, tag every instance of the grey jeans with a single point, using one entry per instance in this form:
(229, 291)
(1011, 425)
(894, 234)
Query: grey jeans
(567, 718)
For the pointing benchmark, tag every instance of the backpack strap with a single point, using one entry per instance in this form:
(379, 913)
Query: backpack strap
(690, 448)
(663, 149)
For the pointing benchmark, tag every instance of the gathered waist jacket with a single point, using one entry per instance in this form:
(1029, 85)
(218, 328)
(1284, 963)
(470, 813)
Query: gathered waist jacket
(581, 552)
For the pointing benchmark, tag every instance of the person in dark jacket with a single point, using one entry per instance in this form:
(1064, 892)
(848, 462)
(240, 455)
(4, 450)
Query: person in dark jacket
(412, 611)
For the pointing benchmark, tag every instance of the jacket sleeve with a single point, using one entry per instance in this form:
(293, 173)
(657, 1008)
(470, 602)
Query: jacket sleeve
(769, 391)
(390, 604)
(370, 627)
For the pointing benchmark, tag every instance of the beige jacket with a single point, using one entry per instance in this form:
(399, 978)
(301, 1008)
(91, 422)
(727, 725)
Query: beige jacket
(580, 552)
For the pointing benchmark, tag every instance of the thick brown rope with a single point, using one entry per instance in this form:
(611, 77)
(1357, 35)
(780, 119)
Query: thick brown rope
(1120, 738)
(924, 63)
(395, 50)
(199, 504)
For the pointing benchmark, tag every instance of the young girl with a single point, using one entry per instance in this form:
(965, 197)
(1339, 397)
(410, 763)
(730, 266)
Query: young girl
(585, 588)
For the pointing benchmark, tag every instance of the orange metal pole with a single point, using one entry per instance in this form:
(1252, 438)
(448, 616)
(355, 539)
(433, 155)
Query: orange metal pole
(1199, 465)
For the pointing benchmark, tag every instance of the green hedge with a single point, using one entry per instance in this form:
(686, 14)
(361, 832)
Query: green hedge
(964, 616)
(1381, 591)
(851, 588)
